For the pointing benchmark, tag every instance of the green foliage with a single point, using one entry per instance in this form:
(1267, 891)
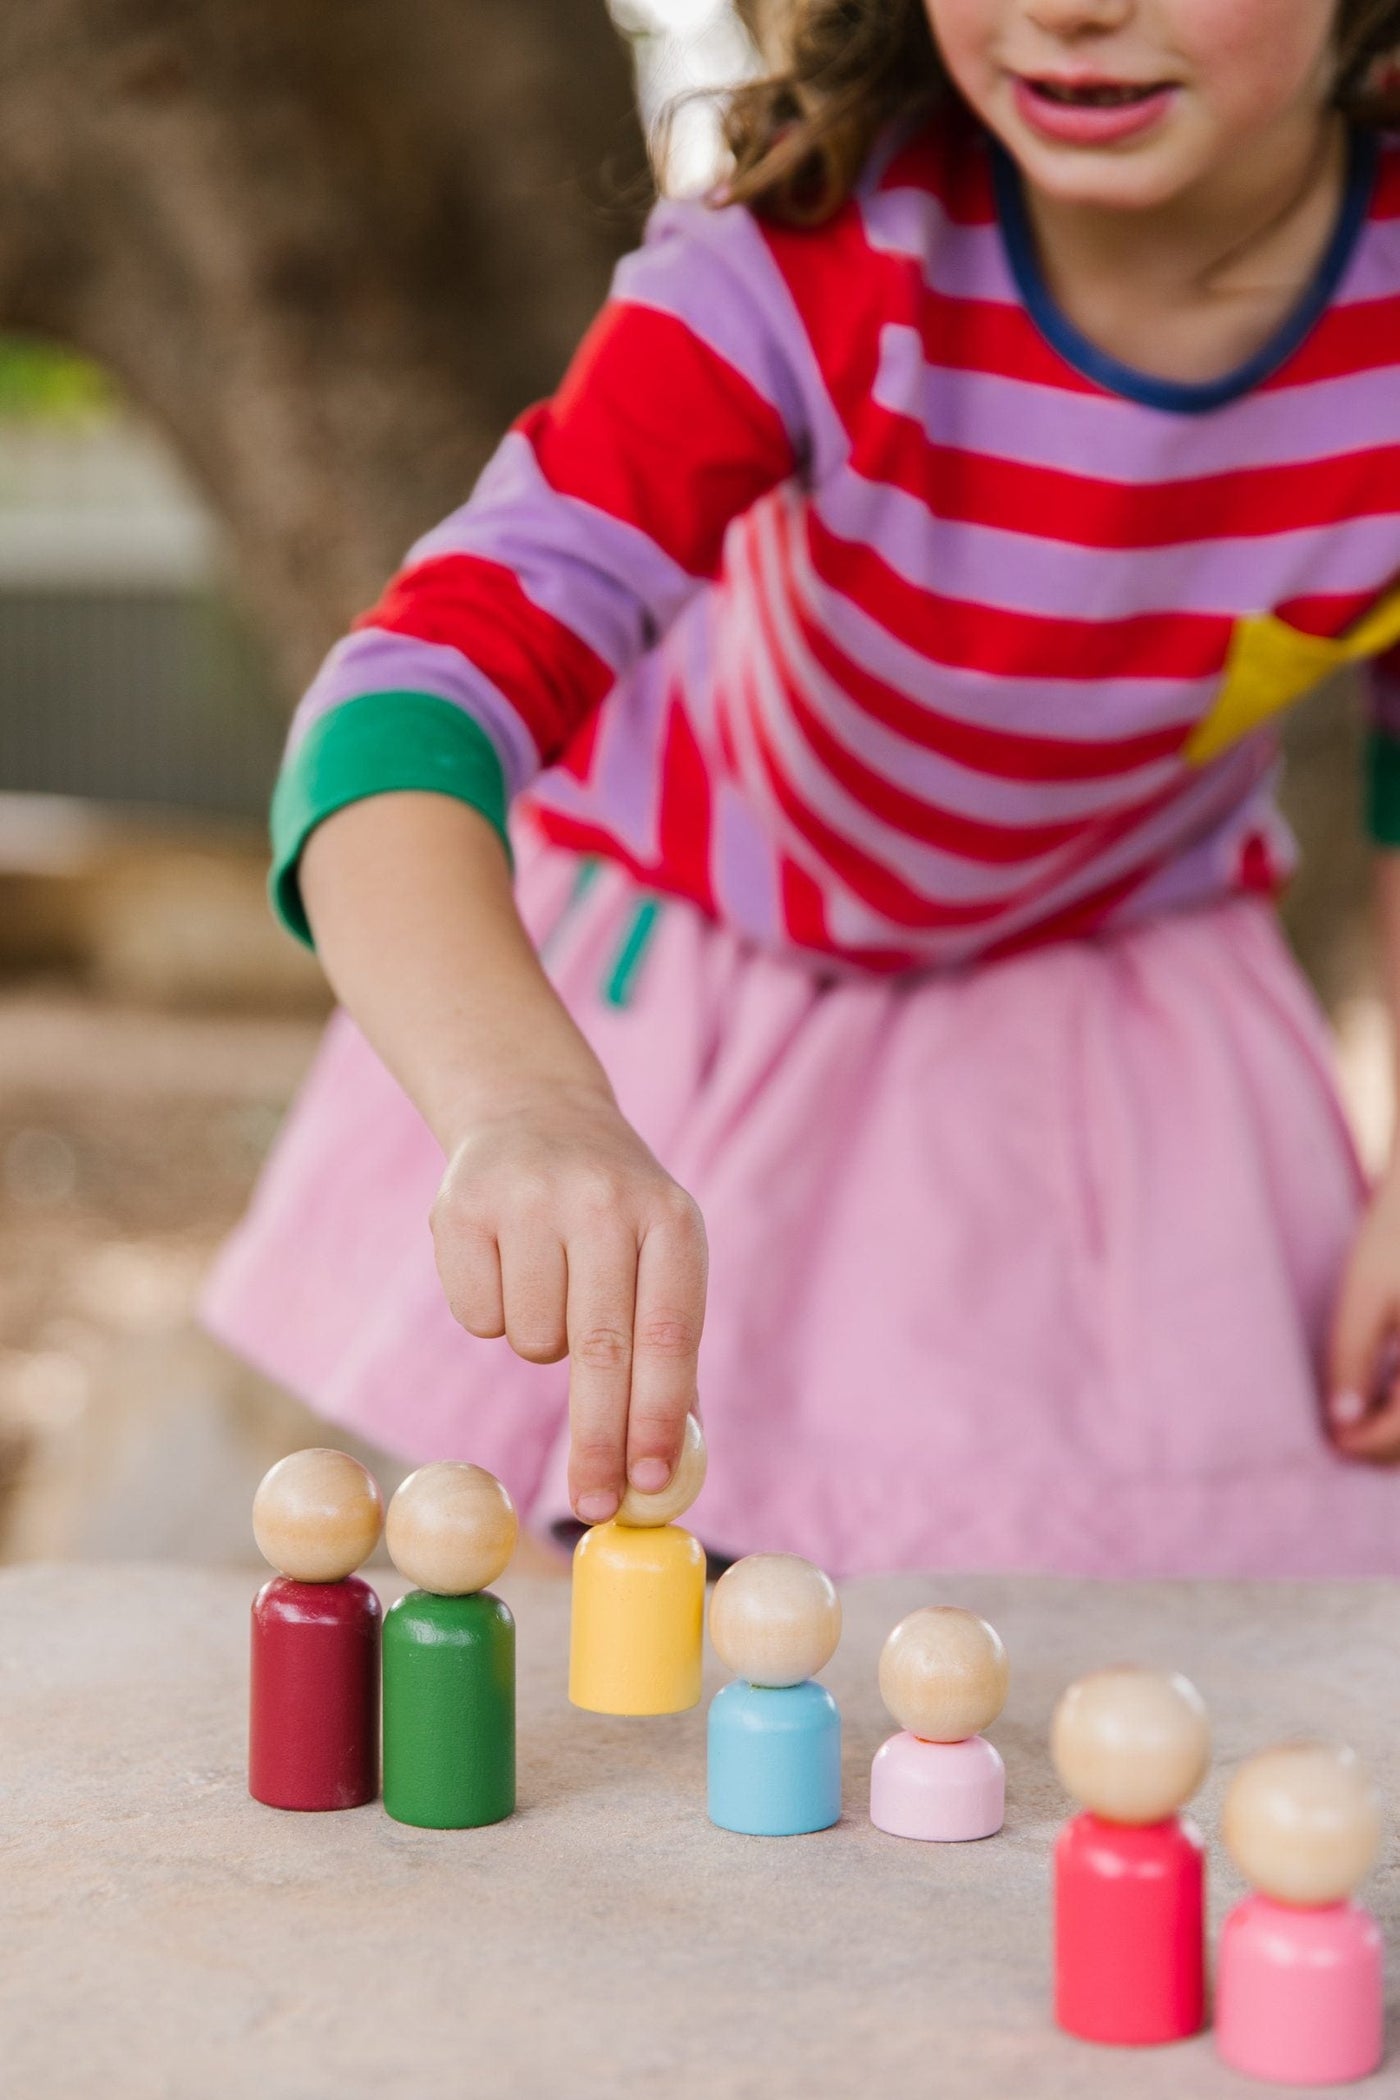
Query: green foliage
(41, 381)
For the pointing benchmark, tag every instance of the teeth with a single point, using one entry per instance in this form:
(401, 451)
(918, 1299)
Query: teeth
(1093, 97)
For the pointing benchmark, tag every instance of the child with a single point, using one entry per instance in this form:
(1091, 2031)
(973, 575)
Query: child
(878, 641)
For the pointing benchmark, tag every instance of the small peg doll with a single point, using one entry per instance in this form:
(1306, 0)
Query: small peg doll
(1299, 1989)
(943, 1675)
(449, 1652)
(1133, 1746)
(313, 1706)
(638, 1618)
(774, 1735)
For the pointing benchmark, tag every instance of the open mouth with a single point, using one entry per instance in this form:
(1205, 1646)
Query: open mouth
(1090, 110)
(1096, 94)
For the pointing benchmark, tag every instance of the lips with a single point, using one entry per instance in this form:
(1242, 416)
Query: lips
(1085, 110)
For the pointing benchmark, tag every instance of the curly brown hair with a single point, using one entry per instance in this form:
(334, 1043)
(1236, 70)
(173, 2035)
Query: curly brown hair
(842, 69)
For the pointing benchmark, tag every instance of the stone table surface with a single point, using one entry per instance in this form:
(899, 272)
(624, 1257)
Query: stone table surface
(166, 1938)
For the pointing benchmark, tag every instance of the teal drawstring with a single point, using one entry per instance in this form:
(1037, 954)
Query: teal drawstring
(622, 979)
(588, 872)
(585, 875)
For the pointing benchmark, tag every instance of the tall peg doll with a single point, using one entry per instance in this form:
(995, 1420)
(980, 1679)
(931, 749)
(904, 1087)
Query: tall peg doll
(1133, 1746)
(313, 1738)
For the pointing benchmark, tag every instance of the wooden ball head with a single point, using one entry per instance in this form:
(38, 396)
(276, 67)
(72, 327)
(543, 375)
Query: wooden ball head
(317, 1516)
(775, 1619)
(944, 1674)
(641, 1511)
(1303, 1823)
(1132, 1745)
(452, 1529)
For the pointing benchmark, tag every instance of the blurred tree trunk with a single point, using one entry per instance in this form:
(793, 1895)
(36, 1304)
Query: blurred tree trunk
(331, 246)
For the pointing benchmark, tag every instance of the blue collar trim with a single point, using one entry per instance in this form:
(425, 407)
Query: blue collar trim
(1186, 397)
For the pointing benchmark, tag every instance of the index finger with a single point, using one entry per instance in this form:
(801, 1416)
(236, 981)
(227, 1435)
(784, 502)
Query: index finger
(599, 1318)
(672, 1267)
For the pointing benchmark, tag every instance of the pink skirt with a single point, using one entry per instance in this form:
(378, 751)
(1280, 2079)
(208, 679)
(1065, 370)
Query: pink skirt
(1030, 1267)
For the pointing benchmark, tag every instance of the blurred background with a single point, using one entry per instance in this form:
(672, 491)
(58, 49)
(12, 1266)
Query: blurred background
(270, 288)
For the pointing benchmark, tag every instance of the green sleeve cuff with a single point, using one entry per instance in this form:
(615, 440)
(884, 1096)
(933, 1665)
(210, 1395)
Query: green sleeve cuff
(1383, 788)
(376, 745)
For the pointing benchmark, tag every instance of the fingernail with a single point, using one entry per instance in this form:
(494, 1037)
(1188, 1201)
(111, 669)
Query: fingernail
(649, 1475)
(596, 1509)
(1346, 1408)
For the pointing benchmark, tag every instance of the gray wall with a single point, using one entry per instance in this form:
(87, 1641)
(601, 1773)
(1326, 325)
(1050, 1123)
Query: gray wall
(145, 694)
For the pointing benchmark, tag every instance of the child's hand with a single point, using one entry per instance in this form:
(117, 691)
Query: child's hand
(555, 1227)
(1363, 1393)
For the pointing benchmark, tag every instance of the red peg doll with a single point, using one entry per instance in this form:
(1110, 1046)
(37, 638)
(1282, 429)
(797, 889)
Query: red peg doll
(313, 1739)
(1133, 1746)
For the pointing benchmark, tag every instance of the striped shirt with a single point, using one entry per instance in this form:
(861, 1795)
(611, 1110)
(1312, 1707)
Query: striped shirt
(846, 590)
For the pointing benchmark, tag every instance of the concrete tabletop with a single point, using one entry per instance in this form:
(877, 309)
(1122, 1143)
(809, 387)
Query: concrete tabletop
(166, 1938)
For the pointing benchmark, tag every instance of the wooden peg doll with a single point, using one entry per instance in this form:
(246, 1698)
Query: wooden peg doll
(638, 1618)
(774, 1735)
(1133, 1746)
(1299, 1988)
(449, 1652)
(313, 1707)
(943, 1675)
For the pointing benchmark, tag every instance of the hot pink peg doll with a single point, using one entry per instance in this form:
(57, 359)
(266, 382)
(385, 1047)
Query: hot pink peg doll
(1133, 1746)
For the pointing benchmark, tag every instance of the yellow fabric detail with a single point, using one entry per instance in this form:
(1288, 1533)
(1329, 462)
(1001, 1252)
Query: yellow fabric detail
(1270, 665)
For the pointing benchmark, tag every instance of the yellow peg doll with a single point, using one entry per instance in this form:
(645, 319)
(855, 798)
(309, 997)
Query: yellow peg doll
(639, 1600)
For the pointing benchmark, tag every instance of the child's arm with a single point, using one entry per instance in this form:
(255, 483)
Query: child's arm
(554, 1225)
(491, 657)
(1363, 1399)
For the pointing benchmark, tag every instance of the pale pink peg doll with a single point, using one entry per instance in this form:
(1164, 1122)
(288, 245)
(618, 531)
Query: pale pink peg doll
(943, 1675)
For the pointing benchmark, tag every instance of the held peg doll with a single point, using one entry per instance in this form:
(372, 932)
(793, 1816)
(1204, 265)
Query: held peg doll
(1299, 1988)
(943, 1675)
(313, 1707)
(638, 1607)
(774, 1735)
(449, 1652)
(1133, 1746)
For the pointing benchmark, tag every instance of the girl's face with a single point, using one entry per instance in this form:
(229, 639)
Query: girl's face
(1131, 104)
